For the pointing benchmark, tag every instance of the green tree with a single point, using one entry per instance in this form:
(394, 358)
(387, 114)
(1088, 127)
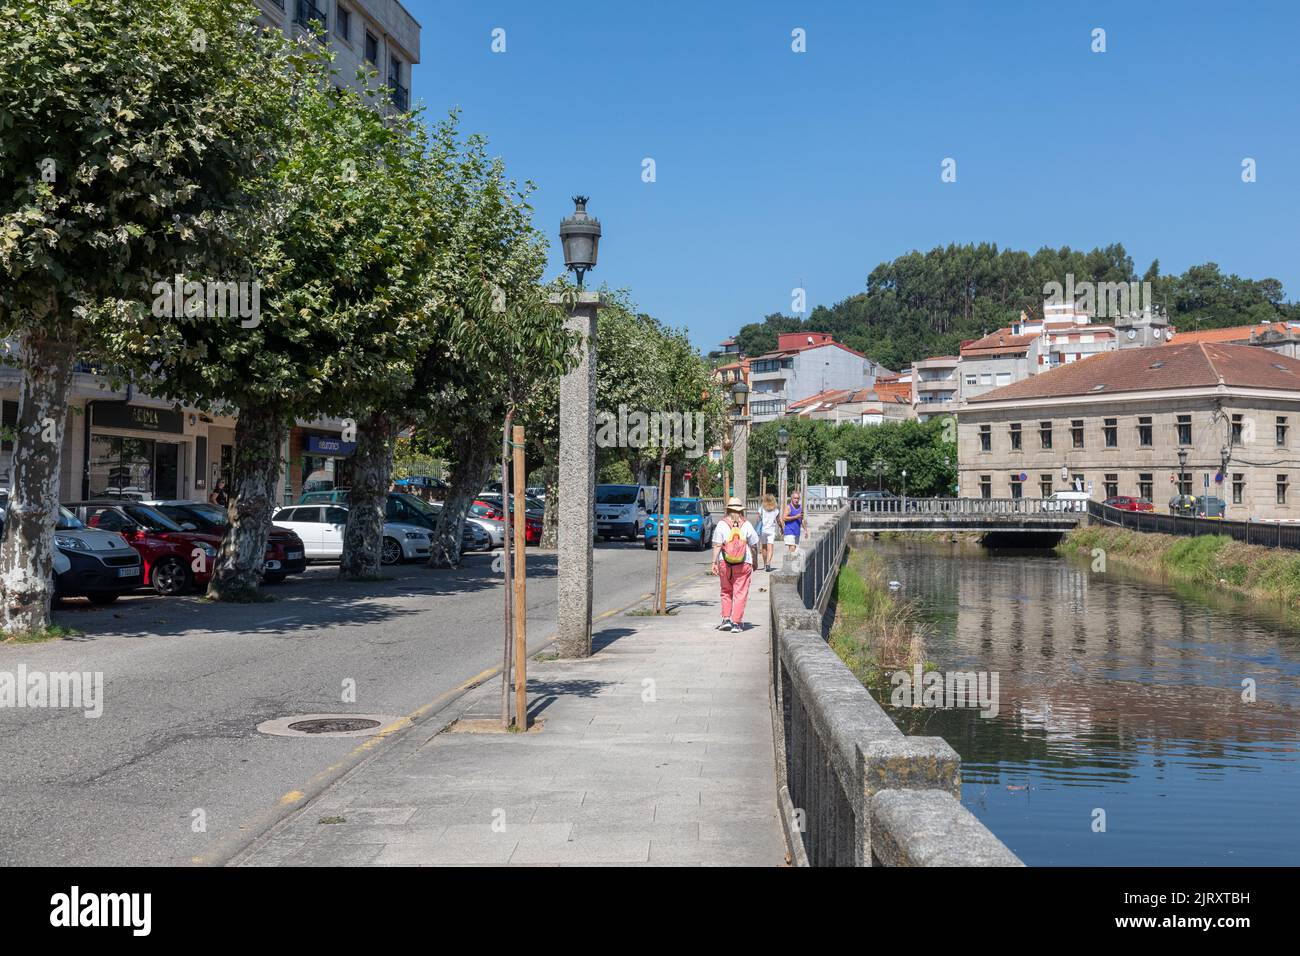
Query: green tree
(127, 131)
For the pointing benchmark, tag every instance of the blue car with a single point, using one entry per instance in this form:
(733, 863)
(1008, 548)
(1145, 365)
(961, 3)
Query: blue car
(689, 522)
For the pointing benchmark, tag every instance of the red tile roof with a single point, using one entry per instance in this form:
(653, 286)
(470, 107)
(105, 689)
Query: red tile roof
(1236, 333)
(1176, 366)
(1001, 342)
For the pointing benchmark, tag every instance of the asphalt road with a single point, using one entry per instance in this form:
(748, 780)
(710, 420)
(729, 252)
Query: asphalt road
(175, 770)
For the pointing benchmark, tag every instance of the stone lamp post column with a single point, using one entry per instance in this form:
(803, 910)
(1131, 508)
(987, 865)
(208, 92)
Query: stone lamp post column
(580, 237)
(739, 441)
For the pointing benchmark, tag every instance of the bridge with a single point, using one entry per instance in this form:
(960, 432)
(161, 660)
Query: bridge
(1045, 515)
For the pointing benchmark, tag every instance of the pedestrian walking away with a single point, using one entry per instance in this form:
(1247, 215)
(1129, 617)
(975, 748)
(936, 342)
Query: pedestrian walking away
(767, 518)
(792, 520)
(735, 554)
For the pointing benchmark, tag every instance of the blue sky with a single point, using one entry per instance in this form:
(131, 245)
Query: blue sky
(777, 169)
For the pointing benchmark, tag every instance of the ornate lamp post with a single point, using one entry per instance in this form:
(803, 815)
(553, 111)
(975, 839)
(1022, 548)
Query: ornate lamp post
(580, 237)
(739, 440)
(782, 460)
(1182, 469)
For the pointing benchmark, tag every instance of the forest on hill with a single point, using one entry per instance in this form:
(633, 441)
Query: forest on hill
(923, 304)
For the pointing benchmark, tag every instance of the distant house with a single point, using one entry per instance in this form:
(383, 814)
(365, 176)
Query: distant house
(861, 406)
(802, 365)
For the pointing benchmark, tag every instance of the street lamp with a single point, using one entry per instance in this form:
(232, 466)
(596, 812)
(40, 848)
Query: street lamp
(739, 397)
(740, 440)
(878, 466)
(1182, 468)
(904, 484)
(782, 460)
(580, 236)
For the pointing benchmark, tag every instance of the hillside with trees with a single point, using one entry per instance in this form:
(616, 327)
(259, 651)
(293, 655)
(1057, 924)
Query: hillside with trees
(924, 304)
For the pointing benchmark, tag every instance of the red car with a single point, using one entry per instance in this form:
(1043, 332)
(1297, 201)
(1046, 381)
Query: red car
(489, 506)
(175, 560)
(1125, 503)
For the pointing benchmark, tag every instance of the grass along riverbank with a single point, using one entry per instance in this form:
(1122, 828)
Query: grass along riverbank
(1214, 561)
(874, 632)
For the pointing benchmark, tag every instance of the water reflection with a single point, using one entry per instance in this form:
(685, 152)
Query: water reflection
(1115, 695)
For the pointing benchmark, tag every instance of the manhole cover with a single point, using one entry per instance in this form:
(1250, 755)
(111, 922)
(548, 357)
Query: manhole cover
(333, 725)
(327, 725)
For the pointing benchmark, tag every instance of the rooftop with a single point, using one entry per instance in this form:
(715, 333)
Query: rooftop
(1177, 366)
(1001, 342)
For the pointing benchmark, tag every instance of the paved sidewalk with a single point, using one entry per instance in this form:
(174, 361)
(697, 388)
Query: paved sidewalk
(656, 751)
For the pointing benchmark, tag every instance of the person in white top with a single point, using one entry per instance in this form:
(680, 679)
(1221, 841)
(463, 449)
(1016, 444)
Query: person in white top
(735, 552)
(767, 519)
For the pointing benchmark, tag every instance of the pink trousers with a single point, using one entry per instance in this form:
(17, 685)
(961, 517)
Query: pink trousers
(734, 579)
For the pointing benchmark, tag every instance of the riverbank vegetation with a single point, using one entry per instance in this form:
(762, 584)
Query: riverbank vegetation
(874, 632)
(1212, 561)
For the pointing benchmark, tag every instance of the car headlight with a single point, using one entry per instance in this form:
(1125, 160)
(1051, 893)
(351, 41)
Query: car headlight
(415, 535)
(72, 544)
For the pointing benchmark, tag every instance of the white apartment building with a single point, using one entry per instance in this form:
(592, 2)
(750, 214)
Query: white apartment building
(804, 364)
(378, 35)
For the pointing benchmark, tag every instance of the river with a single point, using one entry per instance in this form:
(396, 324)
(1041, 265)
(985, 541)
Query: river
(1121, 735)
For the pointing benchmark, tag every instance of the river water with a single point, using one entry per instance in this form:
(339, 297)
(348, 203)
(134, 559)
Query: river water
(1119, 705)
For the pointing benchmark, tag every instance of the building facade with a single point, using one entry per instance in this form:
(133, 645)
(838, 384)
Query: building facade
(803, 364)
(1115, 424)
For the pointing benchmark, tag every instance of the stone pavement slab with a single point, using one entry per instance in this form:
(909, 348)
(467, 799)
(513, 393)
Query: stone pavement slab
(657, 750)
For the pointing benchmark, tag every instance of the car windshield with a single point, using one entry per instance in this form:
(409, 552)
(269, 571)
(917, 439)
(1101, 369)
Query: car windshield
(67, 521)
(684, 506)
(150, 518)
(419, 505)
(205, 516)
(616, 494)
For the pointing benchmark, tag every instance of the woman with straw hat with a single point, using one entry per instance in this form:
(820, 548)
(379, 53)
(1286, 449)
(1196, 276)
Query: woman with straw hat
(735, 553)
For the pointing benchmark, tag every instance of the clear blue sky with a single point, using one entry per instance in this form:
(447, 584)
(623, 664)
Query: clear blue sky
(776, 169)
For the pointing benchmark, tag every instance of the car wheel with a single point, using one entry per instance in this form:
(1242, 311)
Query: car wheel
(170, 577)
(701, 544)
(101, 598)
(390, 552)
(649, 544)
(273, 578)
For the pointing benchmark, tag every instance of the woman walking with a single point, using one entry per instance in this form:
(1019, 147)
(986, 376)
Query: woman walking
(792, 518)
(735, 552)
(767, 519)
(219, 494)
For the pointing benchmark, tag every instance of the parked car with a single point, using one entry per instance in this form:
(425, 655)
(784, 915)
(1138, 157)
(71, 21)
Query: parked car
(876, 501)
(621, 510)
(321, 529)
(489, 506)
(175, 560)
(1067, 501)
(480, 513)
(689, 523)
(1209, 506)
(96, 565)
(408, 509)
(284, 549)
(1125, 503)
(435, 486)
(536, 491)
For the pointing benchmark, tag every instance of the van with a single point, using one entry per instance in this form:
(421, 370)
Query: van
(621, 510)
(1067, 501)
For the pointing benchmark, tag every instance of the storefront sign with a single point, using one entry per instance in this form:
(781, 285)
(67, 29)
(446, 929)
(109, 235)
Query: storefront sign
(316, 445)
(139, 417)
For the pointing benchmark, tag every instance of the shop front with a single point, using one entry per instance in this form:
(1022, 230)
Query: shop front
(323, 462)
(134, 451)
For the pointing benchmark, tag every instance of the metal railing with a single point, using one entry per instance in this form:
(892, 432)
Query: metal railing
(306, 12)
(854, 789)
(968, 506)
(1267, 534)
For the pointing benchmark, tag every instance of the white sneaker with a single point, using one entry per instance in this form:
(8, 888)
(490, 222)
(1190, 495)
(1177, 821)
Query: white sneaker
(736, 628)
(726, 625)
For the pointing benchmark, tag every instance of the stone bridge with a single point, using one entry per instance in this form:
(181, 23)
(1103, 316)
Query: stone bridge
(1045, 515)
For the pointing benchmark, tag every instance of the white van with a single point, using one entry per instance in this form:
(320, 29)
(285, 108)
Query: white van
(1067, 501)
(621, 510)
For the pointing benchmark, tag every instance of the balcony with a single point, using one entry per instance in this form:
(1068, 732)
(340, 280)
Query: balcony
(401, 96)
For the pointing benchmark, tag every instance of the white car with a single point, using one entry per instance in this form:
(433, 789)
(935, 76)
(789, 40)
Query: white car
(321, 529)
(1067, 501)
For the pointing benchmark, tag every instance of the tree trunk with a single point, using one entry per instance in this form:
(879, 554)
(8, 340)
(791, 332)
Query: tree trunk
(472, 449)
(551, 510)
(372, 469)
(238, 572)
(27, 557)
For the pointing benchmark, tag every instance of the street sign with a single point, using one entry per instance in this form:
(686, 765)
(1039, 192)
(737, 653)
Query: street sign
(841, 468)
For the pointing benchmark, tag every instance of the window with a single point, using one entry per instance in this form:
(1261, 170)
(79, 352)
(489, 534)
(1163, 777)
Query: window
(1144, 431)
(1111, 484)
(1236, 429)
(372, 48)
(336, 515)
(308, 13)
(1281, 432)
(1045, 434)
(972, 380)
(1045, 486)
(1146, 486)
(1281, 489)
(1015, 436)
(1017, 488)
(1110, 432)
(1184, 429)
(986, 378)
(1238, 487)
(1077, 483)
(986, 486)
(1185, 483)
(1076, 432)
(343, 23)
(986, 439)
(394, 71)
(1004, 378)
